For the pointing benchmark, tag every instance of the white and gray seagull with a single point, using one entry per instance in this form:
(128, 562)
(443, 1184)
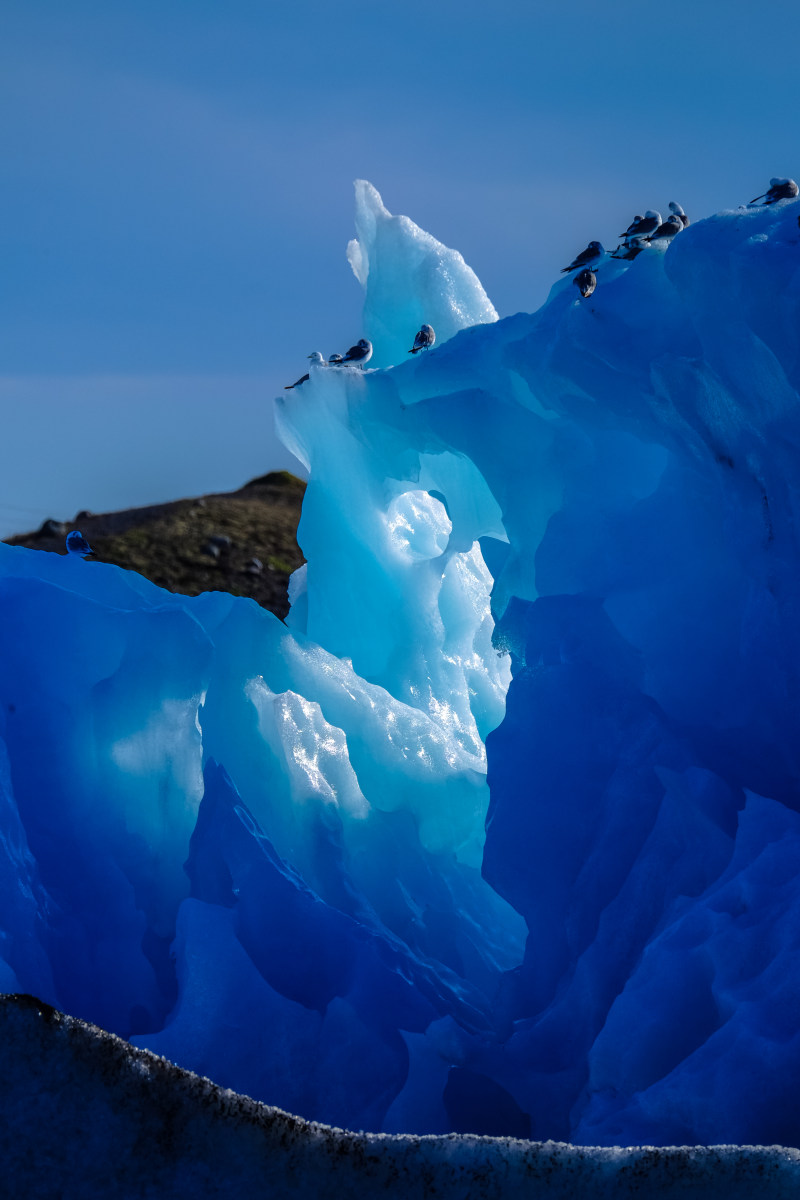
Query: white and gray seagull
(629, 232)
(424, 339)
(316, 361)
(585, 281)
(629, 250)
(587, 258)
(677, 211)
(643, 226)
(77, 545)
(779, 189)
(668, 229)
(359, 354)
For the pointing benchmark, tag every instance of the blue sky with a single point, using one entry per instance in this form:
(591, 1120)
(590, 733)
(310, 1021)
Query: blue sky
(177, 187)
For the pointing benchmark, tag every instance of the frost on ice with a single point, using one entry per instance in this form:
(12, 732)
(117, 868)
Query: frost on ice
(499, 833)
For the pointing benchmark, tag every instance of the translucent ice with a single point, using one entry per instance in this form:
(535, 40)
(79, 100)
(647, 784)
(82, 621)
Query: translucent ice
(499, 832)
(410, 279)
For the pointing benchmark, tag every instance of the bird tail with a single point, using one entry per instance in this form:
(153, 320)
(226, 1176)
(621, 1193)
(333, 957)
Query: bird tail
(288, 386)
(759, 198)
(414, 351)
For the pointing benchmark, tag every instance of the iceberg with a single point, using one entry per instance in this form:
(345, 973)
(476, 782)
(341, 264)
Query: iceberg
(498, 833)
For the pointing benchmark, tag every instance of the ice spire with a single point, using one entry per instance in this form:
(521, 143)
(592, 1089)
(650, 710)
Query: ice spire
(409, 279)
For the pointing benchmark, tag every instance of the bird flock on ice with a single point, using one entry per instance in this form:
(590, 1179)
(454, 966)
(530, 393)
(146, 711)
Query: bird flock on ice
(646, 230)
(651, 229)
(360, 354)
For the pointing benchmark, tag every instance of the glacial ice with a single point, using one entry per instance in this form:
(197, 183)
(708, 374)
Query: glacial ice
(499, 832)
(409, 279)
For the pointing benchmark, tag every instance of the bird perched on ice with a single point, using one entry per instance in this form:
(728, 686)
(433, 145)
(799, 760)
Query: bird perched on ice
(359, 354)
(629, 231)
(677, 211)
(587, 258)
(335, 359)
(643, 226)
(316, 360)
(585, 281)
(668, 229)
(424, 339)
(77, 545)
(631, 248)
(779, 189)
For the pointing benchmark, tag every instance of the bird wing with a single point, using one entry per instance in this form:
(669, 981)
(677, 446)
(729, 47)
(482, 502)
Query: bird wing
(302, 379)
(578, 262)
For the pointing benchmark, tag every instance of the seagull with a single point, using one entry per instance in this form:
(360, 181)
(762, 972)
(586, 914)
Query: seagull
(779, 189)
(317, 360)
(77, 545)
(631, 249)
(360, 353)
(335, 359)
(586, 282)
(587, 258)
(642, 226)
(677, 211)
(671, 226)
(424, 339)
(630, 231)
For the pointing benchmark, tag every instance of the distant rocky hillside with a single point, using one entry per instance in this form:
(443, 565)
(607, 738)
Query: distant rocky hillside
(242, 542)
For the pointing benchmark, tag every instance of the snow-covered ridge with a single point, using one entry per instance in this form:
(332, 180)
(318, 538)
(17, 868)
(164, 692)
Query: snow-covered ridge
(85, 1115)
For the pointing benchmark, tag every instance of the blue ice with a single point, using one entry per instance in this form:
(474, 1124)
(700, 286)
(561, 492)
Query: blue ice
(499, 832)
